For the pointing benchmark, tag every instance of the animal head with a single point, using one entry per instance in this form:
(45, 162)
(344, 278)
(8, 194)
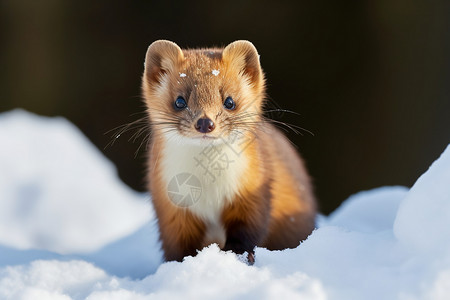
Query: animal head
(203, 94)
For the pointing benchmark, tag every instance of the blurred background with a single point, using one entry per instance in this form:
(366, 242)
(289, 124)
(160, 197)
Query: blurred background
(370, 79)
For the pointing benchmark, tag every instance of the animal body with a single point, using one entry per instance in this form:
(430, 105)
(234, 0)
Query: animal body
(218, 171)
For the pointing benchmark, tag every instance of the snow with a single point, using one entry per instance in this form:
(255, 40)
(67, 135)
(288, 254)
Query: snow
(425, 209)
(70, 229)
(51, 178)
(215, 72)
(183, 75)
(369, 211)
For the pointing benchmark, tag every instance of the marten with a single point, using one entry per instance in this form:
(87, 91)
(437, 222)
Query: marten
(218, 170)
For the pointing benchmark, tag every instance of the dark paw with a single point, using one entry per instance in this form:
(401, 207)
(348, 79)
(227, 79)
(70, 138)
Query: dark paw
(247, 257)
(239, 248)
(251, 258)
(236, 247)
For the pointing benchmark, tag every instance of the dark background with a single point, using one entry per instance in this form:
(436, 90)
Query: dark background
(370, 79)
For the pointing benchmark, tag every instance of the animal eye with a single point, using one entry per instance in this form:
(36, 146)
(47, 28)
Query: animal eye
(229, 103)
(180, 103)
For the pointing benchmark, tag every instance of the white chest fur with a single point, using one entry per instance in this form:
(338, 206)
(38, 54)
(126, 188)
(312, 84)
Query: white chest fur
(218, 166)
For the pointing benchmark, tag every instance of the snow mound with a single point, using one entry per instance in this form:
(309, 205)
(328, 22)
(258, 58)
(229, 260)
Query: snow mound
(423, 220)
(369, 211)
(51, 280)
(57, 191)
(69, 229)
(213, 274)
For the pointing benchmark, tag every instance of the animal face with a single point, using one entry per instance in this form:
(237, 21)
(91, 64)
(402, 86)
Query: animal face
(203, 94)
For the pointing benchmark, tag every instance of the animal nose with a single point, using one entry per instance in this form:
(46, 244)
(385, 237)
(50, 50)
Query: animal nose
(204, 125)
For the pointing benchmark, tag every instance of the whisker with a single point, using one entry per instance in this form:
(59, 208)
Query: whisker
(282, 111)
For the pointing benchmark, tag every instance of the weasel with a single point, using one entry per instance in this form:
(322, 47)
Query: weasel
(218, 171)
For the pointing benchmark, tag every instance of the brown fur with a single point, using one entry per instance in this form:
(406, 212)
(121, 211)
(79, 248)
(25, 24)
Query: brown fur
(274, 206)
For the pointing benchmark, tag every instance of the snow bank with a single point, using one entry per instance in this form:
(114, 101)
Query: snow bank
(69, 229)
(423, 220)
(369, 211)
(57, 190)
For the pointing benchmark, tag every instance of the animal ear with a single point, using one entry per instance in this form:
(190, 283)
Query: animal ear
(162, 57)
(243, 56)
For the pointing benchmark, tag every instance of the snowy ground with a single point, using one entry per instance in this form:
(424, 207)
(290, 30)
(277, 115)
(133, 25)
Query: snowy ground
(70, 229)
